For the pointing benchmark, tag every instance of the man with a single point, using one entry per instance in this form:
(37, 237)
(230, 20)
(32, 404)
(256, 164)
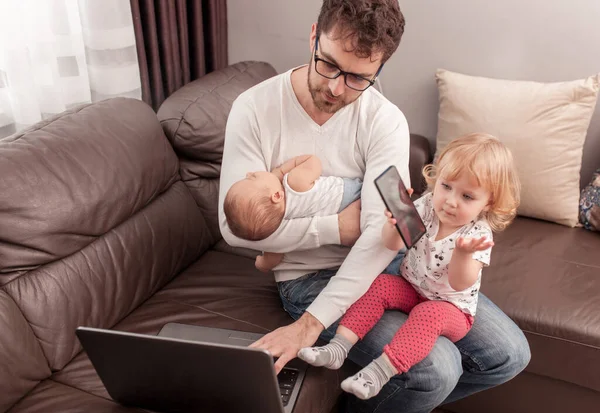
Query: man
(329, 109)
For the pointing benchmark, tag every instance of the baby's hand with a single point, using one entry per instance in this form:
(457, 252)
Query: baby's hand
(391, 238)
(471, 245)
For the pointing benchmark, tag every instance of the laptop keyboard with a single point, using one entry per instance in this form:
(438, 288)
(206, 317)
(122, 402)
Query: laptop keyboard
(287, 378)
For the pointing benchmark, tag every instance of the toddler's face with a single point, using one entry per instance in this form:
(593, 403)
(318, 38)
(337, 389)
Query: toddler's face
(459, 201)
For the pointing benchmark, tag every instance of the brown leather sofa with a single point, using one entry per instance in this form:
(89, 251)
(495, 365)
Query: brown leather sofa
(108, 219)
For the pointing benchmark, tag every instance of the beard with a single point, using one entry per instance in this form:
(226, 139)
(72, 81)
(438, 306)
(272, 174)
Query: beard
(318, 94)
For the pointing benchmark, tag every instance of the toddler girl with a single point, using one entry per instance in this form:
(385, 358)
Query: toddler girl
(475, 190)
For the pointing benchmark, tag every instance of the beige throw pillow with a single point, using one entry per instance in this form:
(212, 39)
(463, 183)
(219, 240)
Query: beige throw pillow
(544, 125)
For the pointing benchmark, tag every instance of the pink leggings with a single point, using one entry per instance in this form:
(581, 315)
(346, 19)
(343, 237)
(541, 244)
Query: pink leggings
(427, 320)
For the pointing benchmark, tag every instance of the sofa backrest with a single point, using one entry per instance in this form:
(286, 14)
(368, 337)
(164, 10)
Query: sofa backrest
(194, 118)
(94, 220)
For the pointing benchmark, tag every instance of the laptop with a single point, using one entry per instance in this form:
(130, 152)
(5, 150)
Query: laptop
(189, 368)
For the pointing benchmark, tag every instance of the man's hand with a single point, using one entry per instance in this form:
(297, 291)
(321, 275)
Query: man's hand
(349, 224)
(285, 342)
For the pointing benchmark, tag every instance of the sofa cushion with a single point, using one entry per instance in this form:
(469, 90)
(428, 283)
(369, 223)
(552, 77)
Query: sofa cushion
(530, 393)
(194, 119)
(544, 125)
(219, 290)
(22, 362)
(52, 397)
(98, 220)
(229, 285)
(547, 278)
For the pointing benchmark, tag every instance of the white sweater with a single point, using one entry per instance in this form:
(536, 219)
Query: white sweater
(266, 127)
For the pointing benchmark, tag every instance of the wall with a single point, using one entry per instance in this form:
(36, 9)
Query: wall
(541, 40)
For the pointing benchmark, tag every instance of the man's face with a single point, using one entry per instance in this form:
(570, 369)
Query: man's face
(330, 95)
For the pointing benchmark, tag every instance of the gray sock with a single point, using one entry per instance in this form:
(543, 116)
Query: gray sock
(369, 381)
(331, 356)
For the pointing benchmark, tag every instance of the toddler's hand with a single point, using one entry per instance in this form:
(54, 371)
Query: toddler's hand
(471, 245)
(391, 238)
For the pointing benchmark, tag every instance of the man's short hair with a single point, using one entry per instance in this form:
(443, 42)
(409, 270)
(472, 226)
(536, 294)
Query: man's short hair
(374, 26)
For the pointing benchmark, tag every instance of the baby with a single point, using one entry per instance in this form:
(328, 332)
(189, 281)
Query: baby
(255, 206)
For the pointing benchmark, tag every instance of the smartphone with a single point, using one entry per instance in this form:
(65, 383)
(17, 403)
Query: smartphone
(395, 196)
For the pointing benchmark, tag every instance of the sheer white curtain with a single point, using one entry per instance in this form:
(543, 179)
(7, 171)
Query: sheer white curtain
(56, 54)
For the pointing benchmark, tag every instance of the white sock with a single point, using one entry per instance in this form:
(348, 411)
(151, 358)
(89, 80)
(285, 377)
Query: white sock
(369, 381)
(331, 356)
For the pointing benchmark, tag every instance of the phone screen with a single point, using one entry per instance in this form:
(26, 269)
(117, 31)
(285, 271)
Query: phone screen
(398, 202)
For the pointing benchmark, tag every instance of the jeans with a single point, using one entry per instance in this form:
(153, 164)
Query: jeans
(493, 352)
(352, 188)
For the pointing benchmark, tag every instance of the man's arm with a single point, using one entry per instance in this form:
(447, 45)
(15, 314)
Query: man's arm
(390, 145)
(367, 258)
(242, 153)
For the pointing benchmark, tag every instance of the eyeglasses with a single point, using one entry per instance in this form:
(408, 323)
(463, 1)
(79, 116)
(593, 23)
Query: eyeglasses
(331, 71)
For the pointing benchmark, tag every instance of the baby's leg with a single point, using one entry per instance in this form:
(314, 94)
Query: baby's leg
(386, 292)
(268, 261)
(411, 344)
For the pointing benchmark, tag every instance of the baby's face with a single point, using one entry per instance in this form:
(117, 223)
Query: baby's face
(264, 179)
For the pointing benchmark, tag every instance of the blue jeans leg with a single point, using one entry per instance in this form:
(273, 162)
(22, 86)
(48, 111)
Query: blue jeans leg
(493, 352)
(296, 295)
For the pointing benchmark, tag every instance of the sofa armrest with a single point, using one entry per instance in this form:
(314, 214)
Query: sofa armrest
(420, 155)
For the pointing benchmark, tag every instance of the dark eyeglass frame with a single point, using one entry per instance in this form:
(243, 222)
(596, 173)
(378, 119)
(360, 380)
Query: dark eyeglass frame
(341, 72)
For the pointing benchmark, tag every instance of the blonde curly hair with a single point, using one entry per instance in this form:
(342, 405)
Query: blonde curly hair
(491, 163)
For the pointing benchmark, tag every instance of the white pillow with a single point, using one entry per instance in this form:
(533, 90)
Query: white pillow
(543, 124)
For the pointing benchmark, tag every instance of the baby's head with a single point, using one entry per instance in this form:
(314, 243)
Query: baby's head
(255, 206)
(483, 169)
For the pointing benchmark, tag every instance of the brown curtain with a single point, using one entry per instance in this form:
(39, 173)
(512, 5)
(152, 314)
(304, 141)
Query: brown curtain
(177, 42)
